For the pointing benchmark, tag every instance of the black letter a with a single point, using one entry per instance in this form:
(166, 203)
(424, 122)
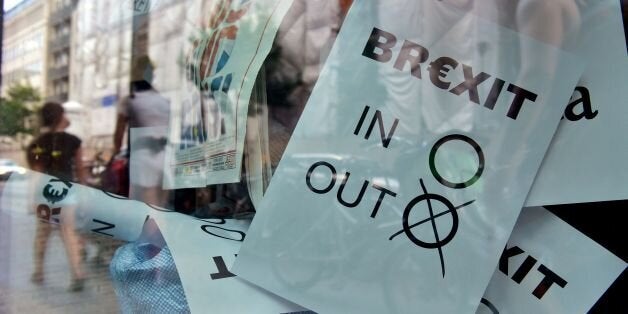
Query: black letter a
(587, 111)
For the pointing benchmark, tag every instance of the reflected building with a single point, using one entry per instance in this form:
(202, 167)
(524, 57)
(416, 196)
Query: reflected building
(104, 41)
(24, 45)
(58, 53)
(99, 67)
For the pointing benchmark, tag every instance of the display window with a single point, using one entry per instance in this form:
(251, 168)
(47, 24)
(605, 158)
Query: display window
(313, 156)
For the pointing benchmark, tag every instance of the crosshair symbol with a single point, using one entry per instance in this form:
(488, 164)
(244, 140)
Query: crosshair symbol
(438, 244)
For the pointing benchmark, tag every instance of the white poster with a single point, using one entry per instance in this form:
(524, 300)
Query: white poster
(587, 159)
(204, 251)
(208, 123)
(408, 168)
(549, 267)
(87, 209)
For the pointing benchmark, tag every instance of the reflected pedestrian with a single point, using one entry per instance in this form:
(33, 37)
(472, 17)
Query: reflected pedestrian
(145, 107)
(57, 154)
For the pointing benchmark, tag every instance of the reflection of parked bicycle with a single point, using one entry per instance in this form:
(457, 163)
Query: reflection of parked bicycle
(114, 178)
(330, 260)
(318, 271)
(95, 168)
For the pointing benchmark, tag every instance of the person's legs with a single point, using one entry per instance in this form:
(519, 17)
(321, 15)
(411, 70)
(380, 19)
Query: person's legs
(42, 235)
(73, 246)
(155, 196)
(146, 177)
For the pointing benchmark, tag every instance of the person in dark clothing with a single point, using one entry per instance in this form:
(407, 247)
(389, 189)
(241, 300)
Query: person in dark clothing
(55, 152)
(58, 154)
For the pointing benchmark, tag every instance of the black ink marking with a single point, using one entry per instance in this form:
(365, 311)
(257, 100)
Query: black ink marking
(439, 243)
(223, 272)
(309, 176)
(468, 140)
(159, 209)
(358, 199)
(489, 305)
(524, 269)
(549, 279)
(240, 233)
(361, 121)
(106, 227)
(114, 195)
(380, 123)
(506, 254)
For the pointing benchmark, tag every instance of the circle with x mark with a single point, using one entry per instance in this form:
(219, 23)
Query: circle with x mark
(429, 198)
(438, 243)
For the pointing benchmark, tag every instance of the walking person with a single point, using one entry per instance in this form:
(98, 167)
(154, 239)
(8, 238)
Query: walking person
(58, 154)
(146, 110)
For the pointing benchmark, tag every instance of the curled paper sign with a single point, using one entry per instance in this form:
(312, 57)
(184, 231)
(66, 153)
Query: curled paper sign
(410, 162)
(62, 202)
(587, 159)
(204, 251)
(208, 123)
(549, 267)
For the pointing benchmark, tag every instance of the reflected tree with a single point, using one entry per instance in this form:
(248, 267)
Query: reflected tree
(16, 110)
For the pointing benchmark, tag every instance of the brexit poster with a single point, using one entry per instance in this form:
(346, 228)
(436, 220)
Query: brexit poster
(410, 163)
(549, 267)
(587, 159)
(222, 60)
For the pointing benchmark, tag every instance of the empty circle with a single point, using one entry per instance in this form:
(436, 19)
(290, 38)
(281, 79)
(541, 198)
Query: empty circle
(473, 144)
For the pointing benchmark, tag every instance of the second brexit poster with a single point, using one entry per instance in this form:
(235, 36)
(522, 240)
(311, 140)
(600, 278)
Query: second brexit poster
(411, 162)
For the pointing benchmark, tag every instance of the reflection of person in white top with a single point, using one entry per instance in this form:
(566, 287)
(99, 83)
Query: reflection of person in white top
(145, 107)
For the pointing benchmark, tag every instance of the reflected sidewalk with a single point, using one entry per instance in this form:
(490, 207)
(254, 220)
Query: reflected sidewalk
(19, 295)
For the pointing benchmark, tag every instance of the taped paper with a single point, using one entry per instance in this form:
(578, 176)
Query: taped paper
(410, 163)
(587, 159)
(208, 125)
(204, 251)
(549, 267)
(87, 209)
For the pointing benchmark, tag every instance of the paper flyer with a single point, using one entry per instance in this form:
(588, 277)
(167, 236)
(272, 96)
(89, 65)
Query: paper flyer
(87, 209)
(204, 251)
(549, 267)
(541, 269)
(208, 125)
(410, 163)
(587, 159)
